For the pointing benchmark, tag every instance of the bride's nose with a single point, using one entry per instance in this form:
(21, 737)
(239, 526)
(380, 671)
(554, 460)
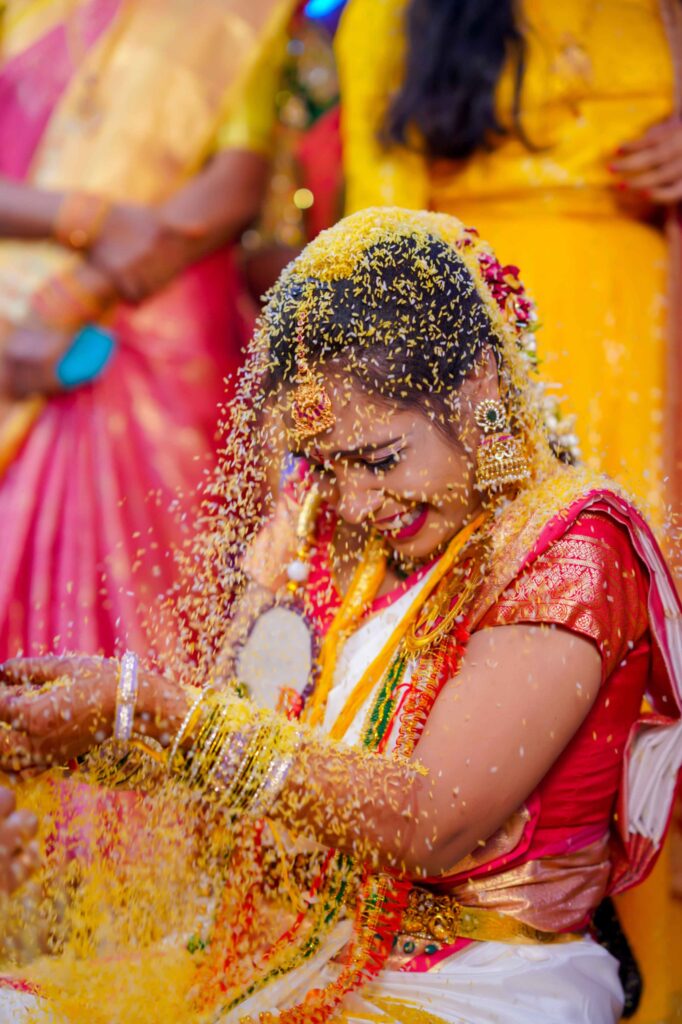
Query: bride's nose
(358, 500)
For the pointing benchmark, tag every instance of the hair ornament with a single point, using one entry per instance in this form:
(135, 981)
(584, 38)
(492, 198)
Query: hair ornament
(309, 403)
(336, 254)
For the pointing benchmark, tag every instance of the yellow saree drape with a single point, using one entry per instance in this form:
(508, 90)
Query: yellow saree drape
(596, 271)
(597, 75)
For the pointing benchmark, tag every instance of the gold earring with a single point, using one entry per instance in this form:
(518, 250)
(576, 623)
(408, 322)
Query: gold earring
(501, 458)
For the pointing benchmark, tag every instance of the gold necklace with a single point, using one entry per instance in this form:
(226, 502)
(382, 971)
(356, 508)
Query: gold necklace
(441, 612)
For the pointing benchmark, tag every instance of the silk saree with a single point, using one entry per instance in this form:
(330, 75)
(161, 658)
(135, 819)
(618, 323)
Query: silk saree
(127, 100)
(603, 270)
(570, 553)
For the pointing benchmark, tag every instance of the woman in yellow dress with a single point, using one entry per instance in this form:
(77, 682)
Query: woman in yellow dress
(548, 127)
(522, 142)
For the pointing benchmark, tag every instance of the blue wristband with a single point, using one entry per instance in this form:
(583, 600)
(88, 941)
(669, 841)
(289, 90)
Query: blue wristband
(90, 351)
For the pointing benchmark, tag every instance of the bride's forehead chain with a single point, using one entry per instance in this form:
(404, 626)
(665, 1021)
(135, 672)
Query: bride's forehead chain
(309, 403)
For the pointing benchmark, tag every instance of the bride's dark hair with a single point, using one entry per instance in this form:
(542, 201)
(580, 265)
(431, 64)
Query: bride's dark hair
(402, 333)
(456, 50)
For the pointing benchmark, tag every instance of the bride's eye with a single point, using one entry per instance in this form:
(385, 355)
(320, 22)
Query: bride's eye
(383, 465)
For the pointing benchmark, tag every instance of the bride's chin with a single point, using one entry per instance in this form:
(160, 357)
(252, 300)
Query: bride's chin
(418, 550)
(427, 545)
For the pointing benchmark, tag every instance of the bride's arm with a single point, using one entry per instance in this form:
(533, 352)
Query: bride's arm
(494, 732)
(496, 729)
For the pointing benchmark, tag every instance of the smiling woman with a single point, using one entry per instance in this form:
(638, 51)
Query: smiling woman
(466, 773)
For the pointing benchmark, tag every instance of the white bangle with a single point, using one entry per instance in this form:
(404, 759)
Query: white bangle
(126, 697)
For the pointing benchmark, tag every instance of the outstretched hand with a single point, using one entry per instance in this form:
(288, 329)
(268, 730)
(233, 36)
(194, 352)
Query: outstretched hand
(54, 709)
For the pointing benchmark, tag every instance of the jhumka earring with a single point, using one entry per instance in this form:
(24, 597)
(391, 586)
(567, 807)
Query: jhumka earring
(501, 458)
(310, 405)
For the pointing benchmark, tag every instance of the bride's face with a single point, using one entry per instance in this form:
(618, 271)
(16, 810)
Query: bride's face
(396, 470)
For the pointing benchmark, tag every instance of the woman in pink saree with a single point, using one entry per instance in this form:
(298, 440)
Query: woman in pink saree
(133, 150)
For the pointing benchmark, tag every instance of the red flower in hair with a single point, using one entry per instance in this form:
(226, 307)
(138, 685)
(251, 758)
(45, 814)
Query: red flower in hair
(506, 289)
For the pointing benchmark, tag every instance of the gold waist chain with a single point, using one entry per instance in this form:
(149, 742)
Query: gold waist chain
(440, 918)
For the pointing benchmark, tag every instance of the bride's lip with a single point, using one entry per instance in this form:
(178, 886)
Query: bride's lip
(412, 523)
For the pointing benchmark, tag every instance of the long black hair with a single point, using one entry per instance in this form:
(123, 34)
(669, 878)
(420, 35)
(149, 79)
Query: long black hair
(456, 50)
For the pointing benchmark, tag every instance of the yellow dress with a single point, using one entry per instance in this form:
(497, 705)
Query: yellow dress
(598, 73)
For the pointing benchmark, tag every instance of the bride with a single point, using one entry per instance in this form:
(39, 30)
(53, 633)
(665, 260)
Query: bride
(423, 831)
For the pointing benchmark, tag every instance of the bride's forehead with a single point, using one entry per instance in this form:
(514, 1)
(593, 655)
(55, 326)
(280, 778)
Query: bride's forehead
(358, 410)
(364, 424)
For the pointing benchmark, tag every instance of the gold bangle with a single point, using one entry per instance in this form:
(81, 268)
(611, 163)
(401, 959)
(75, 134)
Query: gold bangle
(80, 219)
(151, 747)
(62, 302)
(186, 726)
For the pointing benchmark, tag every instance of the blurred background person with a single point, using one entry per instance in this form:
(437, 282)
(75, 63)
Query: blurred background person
(134, 150)
(304, 193)
(550, 126)
(553, 128)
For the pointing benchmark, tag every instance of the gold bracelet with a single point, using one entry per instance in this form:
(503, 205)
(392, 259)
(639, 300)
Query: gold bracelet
(186, 726)
(242, 792)
(80, 219)
(209, 739)
(151, 747)
(230, 748)
(205, 750)
(241, 754)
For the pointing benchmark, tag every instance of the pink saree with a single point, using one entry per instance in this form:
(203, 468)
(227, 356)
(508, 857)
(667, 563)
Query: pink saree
(85, 504)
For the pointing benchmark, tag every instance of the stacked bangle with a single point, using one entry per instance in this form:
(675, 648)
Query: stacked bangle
(126, 697)
(241, 754)
(80, 220)
(186, 726)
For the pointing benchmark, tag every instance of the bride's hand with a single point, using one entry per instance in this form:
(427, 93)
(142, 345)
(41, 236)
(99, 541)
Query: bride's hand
(275, 545)
(54, 709)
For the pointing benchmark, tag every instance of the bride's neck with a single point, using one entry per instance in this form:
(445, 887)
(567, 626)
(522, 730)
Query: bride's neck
(348, 544)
